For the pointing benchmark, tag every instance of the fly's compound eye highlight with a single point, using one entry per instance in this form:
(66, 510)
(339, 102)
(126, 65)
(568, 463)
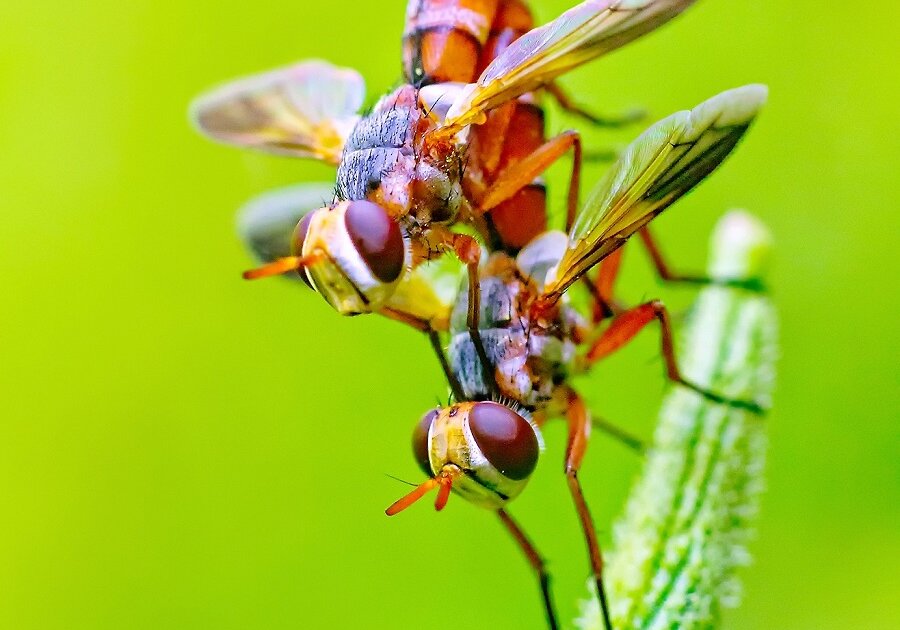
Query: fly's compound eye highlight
(505, 438)
(377, 238)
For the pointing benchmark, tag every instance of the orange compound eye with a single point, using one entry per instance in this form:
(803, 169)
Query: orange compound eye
(377, 238)
(420, 441)
(505, 438)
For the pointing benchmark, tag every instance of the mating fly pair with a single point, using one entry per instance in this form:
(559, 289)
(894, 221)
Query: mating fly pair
(456, 144)
(535, 341)
(462, 143)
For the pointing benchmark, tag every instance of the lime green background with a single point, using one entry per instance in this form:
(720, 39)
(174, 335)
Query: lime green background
(180, 449)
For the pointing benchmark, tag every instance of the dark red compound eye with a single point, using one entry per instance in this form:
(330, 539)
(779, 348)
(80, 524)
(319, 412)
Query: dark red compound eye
(297, 240)
(377, 238)
(506, 439)
(420, 441)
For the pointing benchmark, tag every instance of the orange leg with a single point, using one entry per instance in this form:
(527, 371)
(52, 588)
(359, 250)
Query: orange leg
(568, 105)
(659, 263)
(536, 562)
(601, 289)
(579, 430)
(624, 328)
(521, 174)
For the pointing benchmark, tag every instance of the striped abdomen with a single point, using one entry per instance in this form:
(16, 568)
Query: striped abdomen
(380, 164)
(380, 143)
(529, 361)
(443, 39)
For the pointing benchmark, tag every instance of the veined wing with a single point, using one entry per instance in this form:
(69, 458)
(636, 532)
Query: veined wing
(266, 223)
(582, 33)
(304, 110)
(663, 164)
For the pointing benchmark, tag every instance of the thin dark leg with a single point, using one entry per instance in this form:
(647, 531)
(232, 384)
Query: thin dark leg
(455, 387)
(435, 341)
(579, 428)
(536, 562)
(624, 328)
(574, 183)
(601, 309)
(601, 289)
(665, 272)
(627, 439)
(568, 105)
(601, 156)
(617, 433)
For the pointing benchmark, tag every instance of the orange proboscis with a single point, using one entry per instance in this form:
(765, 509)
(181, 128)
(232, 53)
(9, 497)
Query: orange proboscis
(280, 266)
(443, 495)
(444, 481)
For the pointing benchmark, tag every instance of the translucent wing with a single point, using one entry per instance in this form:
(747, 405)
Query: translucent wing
(305, 110)
(582, 33)
(664, 163)
(266, 223)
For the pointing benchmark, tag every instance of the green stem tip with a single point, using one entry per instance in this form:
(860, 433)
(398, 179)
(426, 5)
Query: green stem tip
(688, 518)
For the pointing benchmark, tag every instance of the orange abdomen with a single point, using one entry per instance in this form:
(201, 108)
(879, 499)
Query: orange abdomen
(524, 216)
(443, 39)
(511, 20)
(455, 40)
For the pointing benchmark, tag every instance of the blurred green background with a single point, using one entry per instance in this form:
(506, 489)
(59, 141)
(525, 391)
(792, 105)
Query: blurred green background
(181, 449)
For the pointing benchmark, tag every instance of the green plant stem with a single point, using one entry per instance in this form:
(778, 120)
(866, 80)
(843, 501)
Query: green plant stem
(688, 518)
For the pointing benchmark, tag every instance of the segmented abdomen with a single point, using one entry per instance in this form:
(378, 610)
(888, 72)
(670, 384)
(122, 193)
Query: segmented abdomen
(443, 39)
(528, 362)
(379, 142)
(455, 40)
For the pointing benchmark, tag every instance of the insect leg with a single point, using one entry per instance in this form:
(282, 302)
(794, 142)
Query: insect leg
(536, 562)
(435, 341)
(601, 156)
(455, 387)
(521, 174)
(665, 272)
(624, 328)
(568, 105)
(621, 435)
(576, 444)
(468, 251)
(601, 288)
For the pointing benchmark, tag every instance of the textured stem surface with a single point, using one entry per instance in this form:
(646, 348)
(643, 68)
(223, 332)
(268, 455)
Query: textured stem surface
(688, 518)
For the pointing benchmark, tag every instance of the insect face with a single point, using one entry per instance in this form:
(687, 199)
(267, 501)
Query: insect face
(484, 450)
(358, 255)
